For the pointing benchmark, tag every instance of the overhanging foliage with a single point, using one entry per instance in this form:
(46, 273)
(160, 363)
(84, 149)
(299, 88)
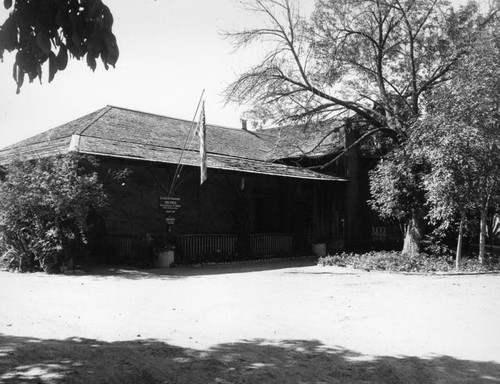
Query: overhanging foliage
(52, 31)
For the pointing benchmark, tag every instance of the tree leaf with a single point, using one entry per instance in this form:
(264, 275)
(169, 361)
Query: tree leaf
(19, 73)
(52, 66)
(112, 47)
(108, 17)
(96, 10)
(91, 61)
(62, 58)
(43, 41)
(75, 38)
(8, 35)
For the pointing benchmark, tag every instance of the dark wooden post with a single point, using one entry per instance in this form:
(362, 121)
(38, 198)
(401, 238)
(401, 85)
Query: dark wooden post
(352, 203)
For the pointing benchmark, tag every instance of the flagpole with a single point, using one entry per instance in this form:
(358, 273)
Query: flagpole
(179, 167)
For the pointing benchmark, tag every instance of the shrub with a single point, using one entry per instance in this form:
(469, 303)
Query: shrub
(434, 244)
(396, 262)
(43, 208)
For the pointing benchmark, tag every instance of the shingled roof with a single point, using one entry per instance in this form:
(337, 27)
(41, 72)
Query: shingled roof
(125, 133)
(312, 140)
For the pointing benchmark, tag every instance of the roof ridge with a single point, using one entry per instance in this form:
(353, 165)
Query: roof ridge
(99, 115)
(187, 121)
(168, 117)
(47, 134)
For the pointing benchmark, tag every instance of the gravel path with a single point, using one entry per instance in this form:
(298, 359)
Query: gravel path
(271, 322)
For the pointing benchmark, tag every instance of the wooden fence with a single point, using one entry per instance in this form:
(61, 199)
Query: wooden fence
(270, 244)
(127, 249)
(208, 247)
(196, 247)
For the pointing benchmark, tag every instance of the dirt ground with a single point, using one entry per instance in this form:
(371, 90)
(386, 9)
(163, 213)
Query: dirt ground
(256, 323)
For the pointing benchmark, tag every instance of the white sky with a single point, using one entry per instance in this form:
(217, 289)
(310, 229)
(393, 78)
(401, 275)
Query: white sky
(169, 51)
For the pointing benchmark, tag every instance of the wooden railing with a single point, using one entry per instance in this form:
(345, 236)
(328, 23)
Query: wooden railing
(196, 247)
(127, 249)
(192, 248)
(386, 234)
(222, 246)
(270, 244)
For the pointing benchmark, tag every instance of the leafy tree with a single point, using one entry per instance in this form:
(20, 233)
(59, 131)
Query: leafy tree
(43, 208)
(462, 140)
(375, 59)
(450, 184)
(397, 193)
(464, 180)
(52, 31)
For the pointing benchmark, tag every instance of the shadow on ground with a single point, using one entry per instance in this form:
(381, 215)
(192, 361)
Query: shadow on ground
(29, 360)
(134, 273)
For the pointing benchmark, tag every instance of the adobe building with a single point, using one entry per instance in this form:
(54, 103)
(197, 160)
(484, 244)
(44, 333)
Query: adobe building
(266, 193)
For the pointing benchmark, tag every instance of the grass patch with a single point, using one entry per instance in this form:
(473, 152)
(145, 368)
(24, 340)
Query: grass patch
(396, 262)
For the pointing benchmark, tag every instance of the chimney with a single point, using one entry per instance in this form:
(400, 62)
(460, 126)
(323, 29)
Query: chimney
(257, 125)
(244, 124)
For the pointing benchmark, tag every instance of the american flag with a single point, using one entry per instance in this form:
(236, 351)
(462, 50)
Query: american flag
(201, 132)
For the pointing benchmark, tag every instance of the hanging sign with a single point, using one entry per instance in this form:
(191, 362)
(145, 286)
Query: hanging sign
(170, 205)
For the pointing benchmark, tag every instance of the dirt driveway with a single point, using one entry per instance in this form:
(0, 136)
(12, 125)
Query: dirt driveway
(267, 323)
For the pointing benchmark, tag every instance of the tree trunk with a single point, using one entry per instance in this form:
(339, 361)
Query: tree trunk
(459, 243)
(482, 235)
(413, 234)
(490, 231)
